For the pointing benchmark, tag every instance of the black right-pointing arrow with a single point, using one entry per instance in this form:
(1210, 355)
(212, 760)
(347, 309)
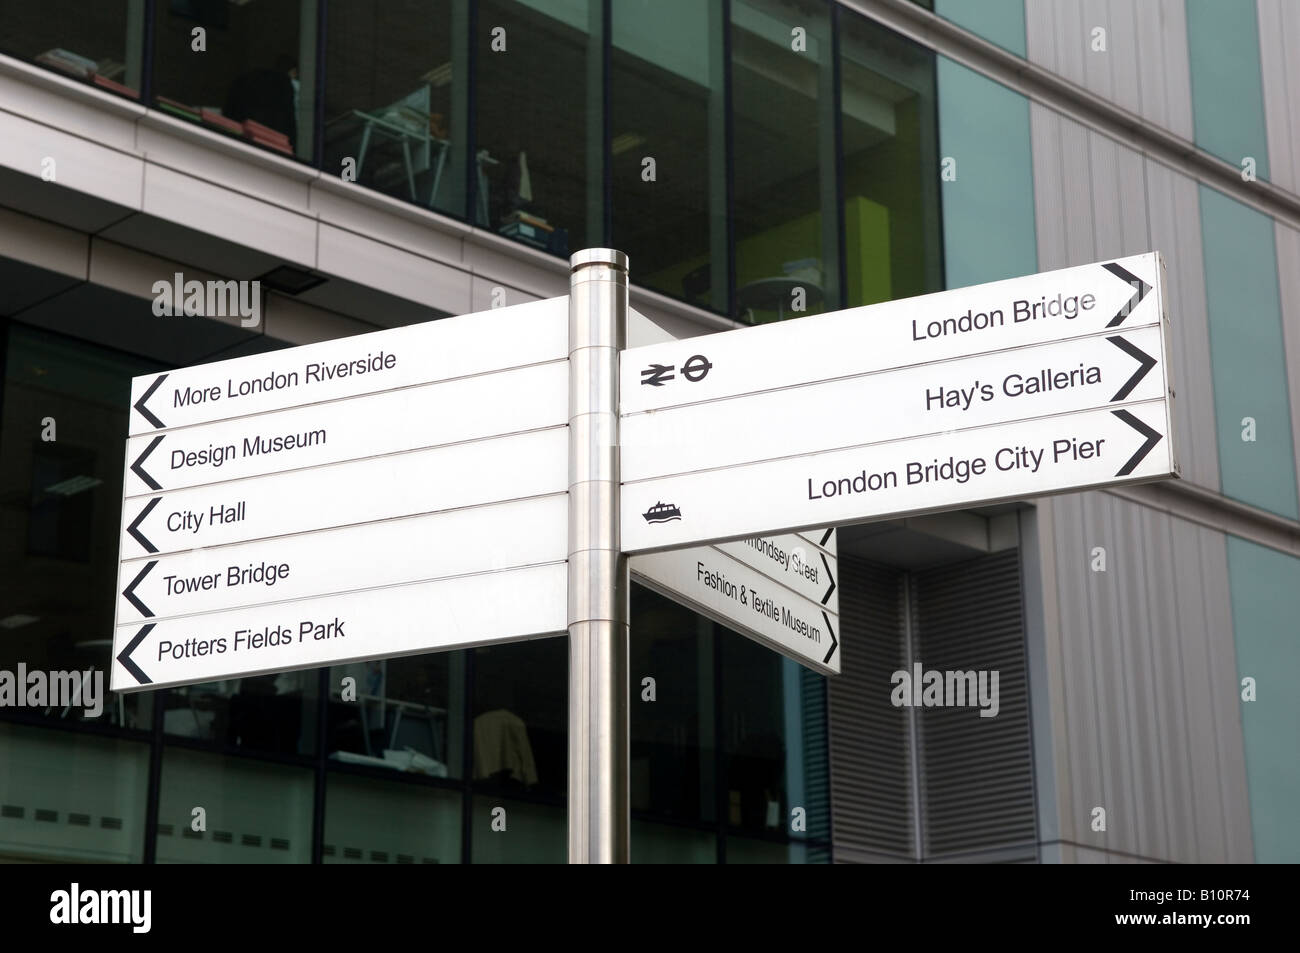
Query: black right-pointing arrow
(125, 657)
(1140, 289)
(144, 411)
(1145, 362)
(129, 591)
(1152, 436)
(829, 576)
(834, 641)
(139, 470)
(134, 528)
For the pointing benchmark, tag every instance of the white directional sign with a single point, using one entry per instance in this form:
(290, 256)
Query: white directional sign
(1034, 385)
(390, 493)
(778, 590)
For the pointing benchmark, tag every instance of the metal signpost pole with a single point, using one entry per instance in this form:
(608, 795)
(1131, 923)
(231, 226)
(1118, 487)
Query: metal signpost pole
(598, 571)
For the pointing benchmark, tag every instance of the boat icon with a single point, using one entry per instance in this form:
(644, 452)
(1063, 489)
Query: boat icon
(662, 513)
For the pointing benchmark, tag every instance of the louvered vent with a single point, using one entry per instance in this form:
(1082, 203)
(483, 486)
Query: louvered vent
(976, 773)
(870, 772)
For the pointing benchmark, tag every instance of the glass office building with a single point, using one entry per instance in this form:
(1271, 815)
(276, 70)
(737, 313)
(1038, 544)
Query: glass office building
(374, 165)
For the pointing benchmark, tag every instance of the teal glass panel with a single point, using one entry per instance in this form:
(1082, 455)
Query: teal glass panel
(1246, 354)
(998, 21)
(1227, 92)
(1264, 584)
(986, 179)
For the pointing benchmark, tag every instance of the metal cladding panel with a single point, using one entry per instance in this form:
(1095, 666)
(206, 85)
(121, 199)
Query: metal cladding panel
(1279, 65)
(1288, 277)
(871, 789)
(1095, 198)
(976, 772)
(1144, 67)
(1173, 209)
(1153, 725)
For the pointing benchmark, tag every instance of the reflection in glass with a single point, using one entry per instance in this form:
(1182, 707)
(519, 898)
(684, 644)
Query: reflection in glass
(62, 501)
(399, 714)
(891, 216)
(99, 42)
(537, 179)
(666, 90)
(394, 90)
(518, 832)
(782, 75)
(273, 713)
(520, 726)
(254, 77)
(672, 756)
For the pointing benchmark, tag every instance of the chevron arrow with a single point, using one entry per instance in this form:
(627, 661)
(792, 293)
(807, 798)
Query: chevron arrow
(144, 411)
(134, 528)
(138, 470)
(1152, 438)
(826, 536)
(129, 591)
(1145, 363)
(830, 576)
(834, 641)
(1140, 289)
(125, 657)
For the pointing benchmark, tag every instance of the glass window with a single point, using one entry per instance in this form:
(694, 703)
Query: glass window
(998, 21)
(401, 714)
(520, 728)
(276, 712)
(243, 69)
(748, 850)
(253, 812)
(67, 796)
(97, 42)
(783, 132)
(986, 179)
(65, 409)
(1247, 358)
(891, 201)
(386, 822)
(773, 740)
(667, 146)
(1227, 87)
(665, 844)
(395, 91)
(673, 758)
(518, 832)
(1264, 583)
(538, 142)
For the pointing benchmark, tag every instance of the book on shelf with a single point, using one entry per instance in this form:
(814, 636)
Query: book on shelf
(527, 218)
(68, 62)
(113, 86)
(184, 110)
(214, 118)
(265, 134)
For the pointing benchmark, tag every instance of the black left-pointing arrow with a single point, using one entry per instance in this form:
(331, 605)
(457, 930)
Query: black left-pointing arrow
(144, 411)
(835, 643)
(129, 591)
(125, 657)
(830, 576)
(134, 528)
(1140, 289)
(1152, 436)
(1145, 363)
(138, 470)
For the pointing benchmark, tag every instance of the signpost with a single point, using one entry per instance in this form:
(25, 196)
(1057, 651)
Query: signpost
(298, 500)
(1033, 385)
(501, 476)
